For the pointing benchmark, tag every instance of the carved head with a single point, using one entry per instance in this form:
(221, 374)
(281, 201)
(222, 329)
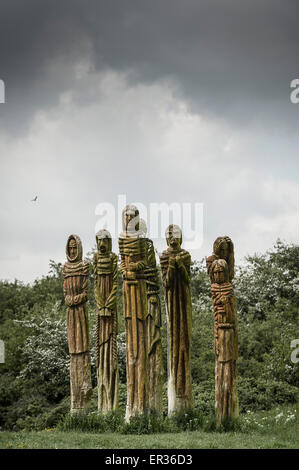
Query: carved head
(219, 271)
(104, 241)
(130, 219)
(74, 249)
(223, 248)
(174, 236)
(143, 227)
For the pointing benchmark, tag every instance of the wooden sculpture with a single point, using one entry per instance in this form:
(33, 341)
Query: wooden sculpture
(105, 289)
(153, 326)
(175, 266)
(226, 335)
(75, 273)
(132, 248)
(223, 248)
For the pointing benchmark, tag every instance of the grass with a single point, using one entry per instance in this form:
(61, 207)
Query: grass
(274, 429)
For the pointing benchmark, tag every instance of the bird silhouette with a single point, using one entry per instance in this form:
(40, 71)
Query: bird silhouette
(34, 200)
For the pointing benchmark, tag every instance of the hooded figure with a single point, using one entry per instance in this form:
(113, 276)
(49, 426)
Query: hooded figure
(132, 248)
(75, 273)
(105, 289)
(175, 266)
(223, 248)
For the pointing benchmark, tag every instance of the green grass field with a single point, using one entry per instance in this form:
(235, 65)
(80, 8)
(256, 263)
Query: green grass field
(274, 429)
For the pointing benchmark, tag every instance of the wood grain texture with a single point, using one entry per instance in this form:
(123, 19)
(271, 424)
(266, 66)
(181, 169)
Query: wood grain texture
(153, 327)
(175, 266)
(132, 250)
(225, 333)
(75, 273)
(105, 290)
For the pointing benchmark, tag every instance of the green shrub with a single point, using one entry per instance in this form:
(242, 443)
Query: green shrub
(261, 394)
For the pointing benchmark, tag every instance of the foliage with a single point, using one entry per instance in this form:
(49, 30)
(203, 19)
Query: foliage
(34, 381)
(277, 428)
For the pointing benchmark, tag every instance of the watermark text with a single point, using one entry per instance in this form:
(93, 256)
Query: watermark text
(2, 91)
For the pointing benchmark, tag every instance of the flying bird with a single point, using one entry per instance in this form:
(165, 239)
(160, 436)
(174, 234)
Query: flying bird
(34, 200)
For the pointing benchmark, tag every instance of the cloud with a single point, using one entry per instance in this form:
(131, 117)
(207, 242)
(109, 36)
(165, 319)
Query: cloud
(230, 60)
(142, 141)
(264, 229)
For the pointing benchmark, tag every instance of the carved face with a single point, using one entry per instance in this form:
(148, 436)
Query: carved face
(174, 237)
(103, 245)
(72, 248)
(219, 274)
(223, 250)
(131, 219)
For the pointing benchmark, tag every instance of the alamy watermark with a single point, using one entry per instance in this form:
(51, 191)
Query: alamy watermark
(2, 352)
(295, 352)
(158, 216)
(294, 96)
(2, 91)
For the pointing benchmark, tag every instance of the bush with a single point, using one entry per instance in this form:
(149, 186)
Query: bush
(261, 394)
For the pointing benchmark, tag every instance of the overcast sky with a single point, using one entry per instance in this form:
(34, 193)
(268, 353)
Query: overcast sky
(161, 100)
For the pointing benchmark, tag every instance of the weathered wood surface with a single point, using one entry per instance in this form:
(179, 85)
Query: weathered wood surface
(132, 250)
(105, 289)
(225, 331)
(153, 326)
(75, 273)
(175, 266)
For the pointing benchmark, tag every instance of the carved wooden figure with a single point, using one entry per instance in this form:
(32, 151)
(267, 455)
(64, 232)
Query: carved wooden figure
(175, 266)
(132, 248)
(105, 289)
(75, 273)
(226, 341)
(153, 326)
(223, 248)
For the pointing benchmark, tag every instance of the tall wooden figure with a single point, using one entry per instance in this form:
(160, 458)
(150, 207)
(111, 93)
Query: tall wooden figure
(175, 266)
(75, 273)
(105, 289)
(153, 326)
(132, 250)
(221, 271)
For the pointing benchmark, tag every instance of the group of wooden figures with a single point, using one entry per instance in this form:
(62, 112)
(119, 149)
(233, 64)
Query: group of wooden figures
(142, 316)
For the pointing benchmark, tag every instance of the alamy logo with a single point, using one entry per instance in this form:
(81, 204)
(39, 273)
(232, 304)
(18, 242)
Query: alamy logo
(294, 96)
(2, 91)
(158, 216)
(2, 350)
(295, 352)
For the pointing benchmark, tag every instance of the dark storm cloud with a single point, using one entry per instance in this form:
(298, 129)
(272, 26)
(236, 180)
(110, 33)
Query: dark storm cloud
(230, 58)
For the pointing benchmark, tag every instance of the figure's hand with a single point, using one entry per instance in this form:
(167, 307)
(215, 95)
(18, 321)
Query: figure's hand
(130, 275)
(76, 299)
(224, 299)
(172, 261)
(178, 261)
(69, 300)
(132, 267)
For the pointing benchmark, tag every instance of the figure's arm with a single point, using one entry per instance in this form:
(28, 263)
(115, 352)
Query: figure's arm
(83, 297)
(170, 273)
(122, 265)
(111, 300)
(138, 266)
(95, 262)
(67, 298)
(183, 265)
